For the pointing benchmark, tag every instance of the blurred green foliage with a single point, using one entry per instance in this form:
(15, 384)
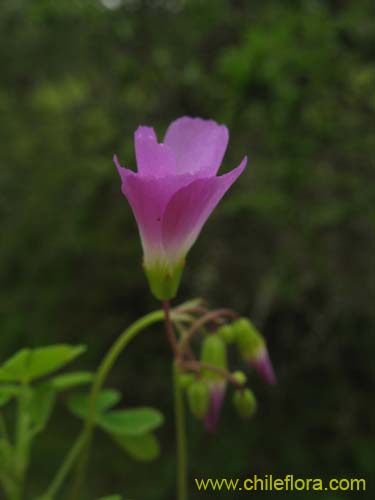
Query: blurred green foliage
(292, 245)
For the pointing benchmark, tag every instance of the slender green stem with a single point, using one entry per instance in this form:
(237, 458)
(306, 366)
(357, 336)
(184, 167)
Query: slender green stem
(181, 477)
(99, 380)
(81, 446)
(64, 469)
(180, 437)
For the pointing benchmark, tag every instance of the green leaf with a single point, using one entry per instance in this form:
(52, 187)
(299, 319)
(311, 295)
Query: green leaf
(41, 406)
(29, 364)
(79, 403)
(7, 392)
(131, 422)
(143, 448)
(112, 497)
(69, 380)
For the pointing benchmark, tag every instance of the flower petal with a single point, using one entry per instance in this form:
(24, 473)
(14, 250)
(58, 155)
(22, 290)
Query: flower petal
(189, 208)
(153, 158)
(148, 197)
(197, 144)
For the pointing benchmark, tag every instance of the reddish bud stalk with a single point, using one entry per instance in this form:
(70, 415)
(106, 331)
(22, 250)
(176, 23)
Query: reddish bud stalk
(212, 316)
(198, 366)
(169, 328)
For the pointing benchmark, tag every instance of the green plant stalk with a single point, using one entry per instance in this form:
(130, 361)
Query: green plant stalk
(105, 367)
(64, 470)
(82, 443)
(180, 427)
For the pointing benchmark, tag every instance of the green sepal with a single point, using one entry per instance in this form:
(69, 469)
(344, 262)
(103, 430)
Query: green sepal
(163, 281)
(249, 341)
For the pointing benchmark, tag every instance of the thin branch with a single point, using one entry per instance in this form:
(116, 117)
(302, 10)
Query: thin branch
(212, 316)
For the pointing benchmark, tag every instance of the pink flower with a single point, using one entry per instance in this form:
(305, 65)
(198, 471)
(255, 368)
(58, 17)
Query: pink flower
(174, 192)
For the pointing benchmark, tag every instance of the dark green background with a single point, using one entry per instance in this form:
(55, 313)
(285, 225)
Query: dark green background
(291, 245)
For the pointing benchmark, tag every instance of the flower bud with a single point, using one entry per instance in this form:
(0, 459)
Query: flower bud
(253, 349)
(217, 393)
(245, 403)
(185, 379)
(239, 377)
(249, 340)
(227, 333)
(198, 398)
(214, 352)
(262, 364)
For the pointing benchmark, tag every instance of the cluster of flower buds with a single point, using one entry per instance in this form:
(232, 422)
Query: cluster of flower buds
(207, 385)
